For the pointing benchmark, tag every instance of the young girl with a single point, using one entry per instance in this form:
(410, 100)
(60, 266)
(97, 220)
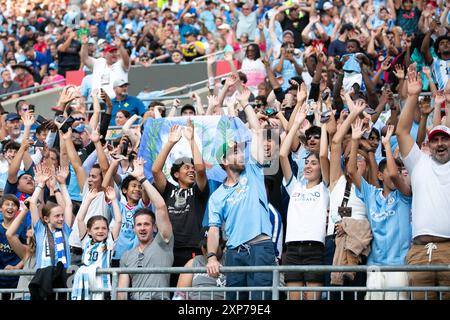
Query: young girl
(97, 243)
(53, 229)
(306, 217)
(26, 252)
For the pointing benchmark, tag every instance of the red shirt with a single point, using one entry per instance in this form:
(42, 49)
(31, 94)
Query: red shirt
(42, 48)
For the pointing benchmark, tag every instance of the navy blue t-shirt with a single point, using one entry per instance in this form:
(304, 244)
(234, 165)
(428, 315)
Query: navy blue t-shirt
(8, 256)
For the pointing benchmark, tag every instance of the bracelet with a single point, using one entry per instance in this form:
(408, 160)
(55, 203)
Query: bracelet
(143, 180)
(56, 191)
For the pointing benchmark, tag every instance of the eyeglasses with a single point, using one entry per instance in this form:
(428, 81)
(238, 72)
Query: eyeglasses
(315, 136)
(79, 119)
(140, 260)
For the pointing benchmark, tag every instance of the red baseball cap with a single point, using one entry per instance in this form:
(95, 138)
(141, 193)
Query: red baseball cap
(110, 48)
(439, 129)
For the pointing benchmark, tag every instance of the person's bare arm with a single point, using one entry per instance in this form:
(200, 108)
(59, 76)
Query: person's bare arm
(392, 168)
(111, 195)
(124, 282)
(352, 169)
(199, 164)
(93, 122)
(439, 98)
(425, 48)
(405, 141)
(74, 158)
(61, 176)
(11, 234)
(158, 175)
(84, 55)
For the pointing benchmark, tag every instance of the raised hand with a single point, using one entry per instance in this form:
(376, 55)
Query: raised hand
(387, 137)
(67, 135)
(138, 168)
(42, 174)
(414, 83)
(92, 194)
(84, 38)
(357, 129)
(117, 42)
(95, 135)
(61, 174)
(425, 107)
(386, 64)
(188, 131)
(175, 134)
(301, 115)
(439, 98)
(231, 80)
(213, 100)
(110, 193)
(359, 106)
(28, 119)
(399, 72)
(228, 56)
(301, 93)
(243, 96)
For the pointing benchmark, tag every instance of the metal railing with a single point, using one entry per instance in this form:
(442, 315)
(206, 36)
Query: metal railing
(273, 290)
(30, 88)
(216, 53)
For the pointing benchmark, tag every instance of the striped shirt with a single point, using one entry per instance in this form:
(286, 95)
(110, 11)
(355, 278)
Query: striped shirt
(441, 72)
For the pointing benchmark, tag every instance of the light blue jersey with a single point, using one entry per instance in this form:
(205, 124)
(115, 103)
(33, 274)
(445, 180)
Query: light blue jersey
(441, 72)
(127, 239)
(390, 221)
(242, 207)
(43, 258)
(288, 71)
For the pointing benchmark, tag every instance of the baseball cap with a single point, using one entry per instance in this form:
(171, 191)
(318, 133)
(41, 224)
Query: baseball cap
(224, 26)
(439, 129)
(52, 66)
(12, 116)
(327, 5)
(110, 48)
(100, 42)
(129, 26)
(119, 83)
(188, 107)
(189, 33)
(92, 41)
(189, 15)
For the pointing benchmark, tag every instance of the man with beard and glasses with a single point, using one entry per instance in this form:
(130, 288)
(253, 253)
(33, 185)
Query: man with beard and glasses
(430, 181)
(240, 207)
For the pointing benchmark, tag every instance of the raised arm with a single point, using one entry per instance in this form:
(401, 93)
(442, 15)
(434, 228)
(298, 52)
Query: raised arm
(252, 120)
(285, 149)
(425, 48)
(74, 158)
(61, 176)
(392, 168)
(11, 234)
(17, 160)
(41, 175)
(158, 165)
(124, 56)
(162, 216)
(352, 168)
(82, 229)
(84, 55)
(111, 195)
(199, 164)
(405, 141)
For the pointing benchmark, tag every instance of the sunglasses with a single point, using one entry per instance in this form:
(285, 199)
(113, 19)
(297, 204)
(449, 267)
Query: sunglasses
(79, 119)
(315, 136)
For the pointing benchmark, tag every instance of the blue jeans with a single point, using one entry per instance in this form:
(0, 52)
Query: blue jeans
(258, 254)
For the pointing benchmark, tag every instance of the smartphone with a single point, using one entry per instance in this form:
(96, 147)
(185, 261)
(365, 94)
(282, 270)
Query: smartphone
(310, 107)
(325, 95)
(31, 108)
(270, 112)
(67, 124)
(41, 120)
(325, 116)
(124, 151)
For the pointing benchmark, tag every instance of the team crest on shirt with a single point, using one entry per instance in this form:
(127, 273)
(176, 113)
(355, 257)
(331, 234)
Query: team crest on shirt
(390, 201)
(243, 181)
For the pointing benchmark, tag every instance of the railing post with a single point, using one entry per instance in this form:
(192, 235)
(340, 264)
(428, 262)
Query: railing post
(114, 285)
(275, 284)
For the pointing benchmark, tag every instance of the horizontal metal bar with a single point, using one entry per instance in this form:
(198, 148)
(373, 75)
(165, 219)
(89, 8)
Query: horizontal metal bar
(311, 268)
(31, 88)
(217, 53)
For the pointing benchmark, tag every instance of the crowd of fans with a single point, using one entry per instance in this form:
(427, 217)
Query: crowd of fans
(348, 105)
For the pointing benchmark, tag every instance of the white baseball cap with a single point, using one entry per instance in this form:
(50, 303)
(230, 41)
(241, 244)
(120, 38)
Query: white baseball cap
(224, 26)
(327, 5)
(439, 129)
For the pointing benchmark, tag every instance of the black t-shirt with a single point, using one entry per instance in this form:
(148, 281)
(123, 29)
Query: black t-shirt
(296, 27)
(186, 210)
(70, 59)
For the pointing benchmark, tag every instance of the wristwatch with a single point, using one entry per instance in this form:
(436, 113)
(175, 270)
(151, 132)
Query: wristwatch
(210, 254)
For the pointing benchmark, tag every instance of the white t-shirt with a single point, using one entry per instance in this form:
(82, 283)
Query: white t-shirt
(430, 182)
(103, 76)
(307, 211)
(336, 196)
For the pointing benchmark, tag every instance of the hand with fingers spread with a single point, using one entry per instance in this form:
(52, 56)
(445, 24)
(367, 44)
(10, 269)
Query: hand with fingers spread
(243, 96)
(425, 107)
(387, 137)
(110, 193)
(301, 115)
(359, 106)
(138, 168)
(95, 135)
(439, 98)
(301, 93)
(231, 80)
(414, 83)
(357, 129)
(399, 72)
(386, 64)
(91, 195)
(61, 174)
(28, 119)
(42, 174)
(175, 134)
(188, 131)
(213, 100)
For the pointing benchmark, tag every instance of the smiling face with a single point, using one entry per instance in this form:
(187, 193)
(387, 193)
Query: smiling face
(313, 142)
(98, 230)
(26, 184)
(235, 159)
(144, 227)
(9, 210)
(56, 218)
(120, 118)
(134, 191)
(440, 148)
(186, 174)
(311, 170)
